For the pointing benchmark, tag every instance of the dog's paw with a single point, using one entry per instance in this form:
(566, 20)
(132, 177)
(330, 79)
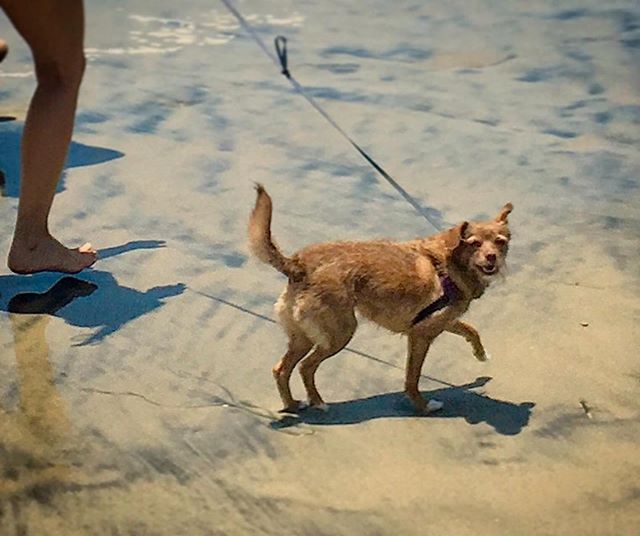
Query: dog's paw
(484, 356)
(321, 407)
(433, 405)
(298, 405)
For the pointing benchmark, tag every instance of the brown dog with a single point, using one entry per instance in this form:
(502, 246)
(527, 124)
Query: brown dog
(418, 288)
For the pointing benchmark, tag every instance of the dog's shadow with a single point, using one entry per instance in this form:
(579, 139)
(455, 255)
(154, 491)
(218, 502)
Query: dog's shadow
(506, 418)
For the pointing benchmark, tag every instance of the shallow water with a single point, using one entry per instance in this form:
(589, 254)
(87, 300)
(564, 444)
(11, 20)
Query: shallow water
(137, 398)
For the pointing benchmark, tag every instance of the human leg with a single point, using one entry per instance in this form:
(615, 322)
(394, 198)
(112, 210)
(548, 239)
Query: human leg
(4, 49)
(54, 30)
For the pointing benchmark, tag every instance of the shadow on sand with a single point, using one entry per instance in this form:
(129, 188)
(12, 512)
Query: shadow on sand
(109, 305)
(506, 418)
(79, 155)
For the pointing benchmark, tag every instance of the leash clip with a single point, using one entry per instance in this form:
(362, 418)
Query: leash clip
(281, 50)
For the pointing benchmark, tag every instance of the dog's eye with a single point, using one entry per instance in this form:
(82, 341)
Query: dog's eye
(500, 240)
(474, 242)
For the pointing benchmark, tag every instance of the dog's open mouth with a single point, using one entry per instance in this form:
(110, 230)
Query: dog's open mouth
(488, 270)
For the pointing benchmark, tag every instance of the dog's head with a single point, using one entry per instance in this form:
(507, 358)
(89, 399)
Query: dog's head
(483, 246)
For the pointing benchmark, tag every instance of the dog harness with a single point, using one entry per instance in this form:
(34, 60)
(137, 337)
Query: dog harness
(450, 293)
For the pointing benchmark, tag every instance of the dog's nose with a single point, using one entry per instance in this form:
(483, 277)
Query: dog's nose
(491, 257)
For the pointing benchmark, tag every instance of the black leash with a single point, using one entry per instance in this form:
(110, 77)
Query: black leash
(282, 62)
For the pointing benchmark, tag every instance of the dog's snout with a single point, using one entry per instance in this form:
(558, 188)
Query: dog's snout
(491, 258)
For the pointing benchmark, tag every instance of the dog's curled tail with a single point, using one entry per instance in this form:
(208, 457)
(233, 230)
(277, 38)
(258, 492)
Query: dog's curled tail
(261, 243)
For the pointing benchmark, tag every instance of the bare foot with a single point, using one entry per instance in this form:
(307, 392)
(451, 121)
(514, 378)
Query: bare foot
(49, 255)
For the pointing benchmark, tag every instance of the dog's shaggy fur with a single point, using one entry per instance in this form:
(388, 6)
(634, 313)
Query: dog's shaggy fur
(386, 282)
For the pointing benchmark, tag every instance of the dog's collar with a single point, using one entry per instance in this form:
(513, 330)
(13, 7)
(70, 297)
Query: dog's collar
(450, 293)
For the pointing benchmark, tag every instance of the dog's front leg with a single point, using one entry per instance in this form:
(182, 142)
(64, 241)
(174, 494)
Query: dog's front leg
(417, 351)
(471, 335)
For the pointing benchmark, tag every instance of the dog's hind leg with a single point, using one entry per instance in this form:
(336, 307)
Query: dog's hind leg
(333, 335)
(299, 346)
(471, 335)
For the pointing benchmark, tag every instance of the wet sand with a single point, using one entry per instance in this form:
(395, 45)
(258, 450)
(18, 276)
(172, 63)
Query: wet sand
(136, 398)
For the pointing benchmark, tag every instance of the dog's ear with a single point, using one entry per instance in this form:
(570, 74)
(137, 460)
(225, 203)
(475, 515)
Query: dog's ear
(504, 213)
(454, 236)
(463, 230)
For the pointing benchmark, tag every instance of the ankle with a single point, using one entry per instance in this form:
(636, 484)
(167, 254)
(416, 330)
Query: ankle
(30, 239)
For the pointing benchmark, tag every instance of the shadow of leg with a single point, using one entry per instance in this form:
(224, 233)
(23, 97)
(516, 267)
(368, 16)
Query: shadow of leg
(62, 293)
